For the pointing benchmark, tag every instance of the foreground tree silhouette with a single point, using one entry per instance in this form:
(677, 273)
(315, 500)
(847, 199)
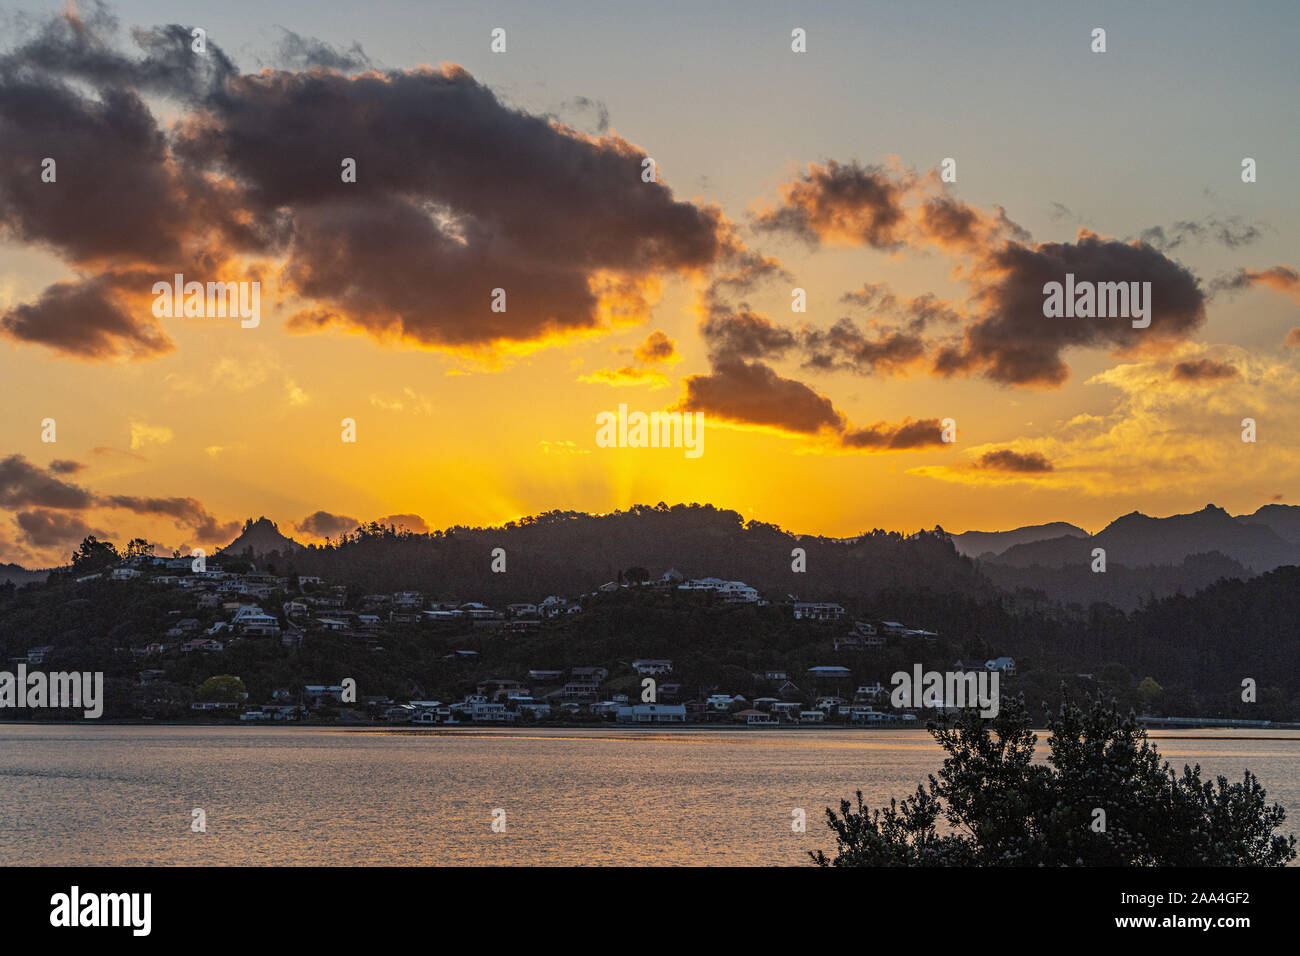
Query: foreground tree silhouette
(1005, 810)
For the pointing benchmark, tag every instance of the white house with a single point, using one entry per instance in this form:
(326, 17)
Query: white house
(722, 702)
(254, 621)
(737, 592)
(652, 714)
(652, 666)
(817, 611)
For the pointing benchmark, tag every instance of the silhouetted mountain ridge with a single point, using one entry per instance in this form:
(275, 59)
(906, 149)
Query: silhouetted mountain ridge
(568, 553)
(261, 537)
(1139, 540)
(976, 544)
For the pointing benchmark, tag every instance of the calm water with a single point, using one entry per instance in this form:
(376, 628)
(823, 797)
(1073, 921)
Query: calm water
(123, 795)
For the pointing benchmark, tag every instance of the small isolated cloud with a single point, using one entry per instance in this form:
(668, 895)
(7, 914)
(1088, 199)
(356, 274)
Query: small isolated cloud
(1282, 279)
(406, 522)
(842, 204)
(904, 436)
(103, 451)
(562, 448)
(408, 401)
(216, 451)
(143, 434)
(322, 524)
(753, 393)
(1006, 459)
(63, 466)
(296, 396)
(241, 373)
(657, 348)
(627, 375)
(1230, 233)
(1203, 370)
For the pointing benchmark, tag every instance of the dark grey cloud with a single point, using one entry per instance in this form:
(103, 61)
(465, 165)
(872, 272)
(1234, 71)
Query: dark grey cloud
(1231, 233)
(845, 346)
(904, 436)
(23, 484)
(1005, 459)
(1203, 370)
(1013, 343)
(846, 202)
(185, 512)
(745, 335)
(499, 198)
(84, 320)
(44, 529)
(322, 524)
(298, 52)
(753, 393)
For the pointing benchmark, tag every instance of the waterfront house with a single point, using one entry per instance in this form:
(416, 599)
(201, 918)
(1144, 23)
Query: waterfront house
(652, 714)
(314, 695)
(829, 672)
(581, 690)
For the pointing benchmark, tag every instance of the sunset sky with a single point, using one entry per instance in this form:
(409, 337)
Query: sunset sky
(522, 170)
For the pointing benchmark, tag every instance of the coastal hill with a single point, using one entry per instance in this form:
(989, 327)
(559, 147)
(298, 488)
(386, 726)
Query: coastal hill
(563, 551)
(261, 537)
(567, 552)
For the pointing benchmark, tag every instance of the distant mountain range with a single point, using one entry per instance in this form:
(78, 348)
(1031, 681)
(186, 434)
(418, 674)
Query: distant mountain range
(20, 575)
(1259, 542)
(978, 544)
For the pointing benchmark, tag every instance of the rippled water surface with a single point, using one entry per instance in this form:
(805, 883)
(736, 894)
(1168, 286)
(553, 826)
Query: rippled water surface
(124, 794)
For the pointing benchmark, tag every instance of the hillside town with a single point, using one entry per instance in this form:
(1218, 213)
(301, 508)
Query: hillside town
(230, 602)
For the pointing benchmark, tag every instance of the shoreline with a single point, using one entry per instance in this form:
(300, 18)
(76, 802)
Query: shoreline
(454, 729)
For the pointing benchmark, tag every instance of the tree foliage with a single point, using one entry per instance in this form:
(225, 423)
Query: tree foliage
(1003, 809)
